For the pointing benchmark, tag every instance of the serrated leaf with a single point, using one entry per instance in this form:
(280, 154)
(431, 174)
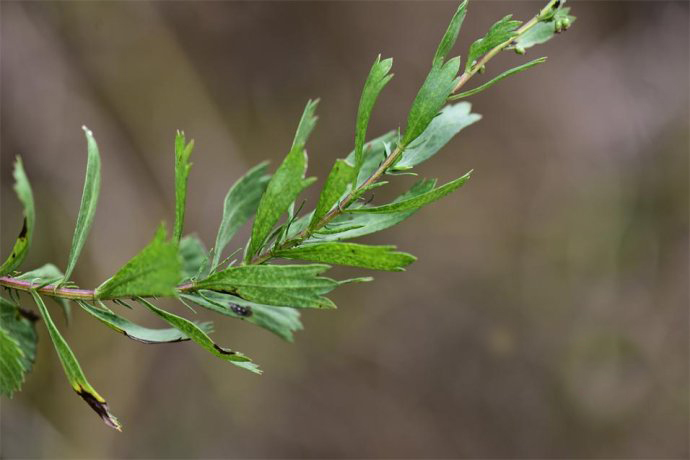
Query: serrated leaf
(48, 274)
(282, 321)
(11, 368)
(17, 347)
(282, 190)
(352, 254)
(306, 125)
(493, 81)
(137, 332)
(196, 334)
(451, 35)
(543, 31)
(183, 151)
(194, 258)
(21, 246)
(377, 79)
(298, 286)
(366, 224)
(430, 99)
(240, 205)
(155, 271)
(89, 201)
(500, 32)
(440, 131)
(337, 183)
(75, 376)
(418, 201)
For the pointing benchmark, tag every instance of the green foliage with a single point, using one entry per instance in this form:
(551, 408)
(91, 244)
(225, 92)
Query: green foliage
(377, 79)
(89, 200)
(284, 187)
(197, 334)
(17, 346)
(21, 247)
(183, 151)
(137, 332)
(354, 255)
(73, 371)
(240, 205)
(281, 285)
(257, 290)
(155, 271)
(500, 32)
(493, 81)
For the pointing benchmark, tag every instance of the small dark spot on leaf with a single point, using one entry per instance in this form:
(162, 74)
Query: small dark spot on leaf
(24, 231)
(241, 311)
(28, 314)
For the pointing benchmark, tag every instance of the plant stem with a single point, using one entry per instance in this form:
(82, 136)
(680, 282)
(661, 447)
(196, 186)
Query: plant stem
(390, 160)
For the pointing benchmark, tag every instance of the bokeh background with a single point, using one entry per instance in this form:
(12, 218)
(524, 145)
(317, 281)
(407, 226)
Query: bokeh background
(547, 315)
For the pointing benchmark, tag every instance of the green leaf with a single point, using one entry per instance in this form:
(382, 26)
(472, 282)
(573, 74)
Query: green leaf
(183, 151)
(21, 246)
(418, 201)
(365, 224)
(440, 131)
(377, 79)
(374, 154)
(352, 254)
(240, 205)
(282, 321)
(451, 35)
(48, 274)
(306, 125)
(543, 31)
(493, 81)
(282, 190)
(195, 258)
(75, 376)
(500, 32)
(17, 346)
(196, 334)
(140, 333)
(296, 286)
(155, 271)
(89, 200)
(431, 98)
(337, 182)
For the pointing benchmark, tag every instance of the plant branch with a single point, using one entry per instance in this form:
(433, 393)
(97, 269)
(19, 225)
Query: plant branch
(390, 160)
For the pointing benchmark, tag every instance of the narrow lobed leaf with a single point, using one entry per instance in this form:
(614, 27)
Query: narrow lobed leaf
(298, 286)
(137, 332)
(155, 271)
(430, 99)
(48, 274)
(306, 125)
(283, 188)
(75, 376)
(352, 254)
(451, 35)
(418, 201)
(500, 32)
(196, 334)
(23, 242)
(493, 81)
(194, 258)
(89, 201)
(240, 205)
(281, 321)
(374, 154)
(440, 131)
(337, 183)
(183, 151)
(377, 79)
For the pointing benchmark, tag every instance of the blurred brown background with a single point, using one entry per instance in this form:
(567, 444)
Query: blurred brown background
(547, 315)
